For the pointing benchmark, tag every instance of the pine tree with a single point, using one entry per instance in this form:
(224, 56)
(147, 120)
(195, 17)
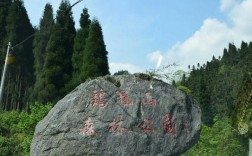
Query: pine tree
(79, 48)
(40, 42)
(183, 80)
(4, 7)
(243, 50)
(95, 54)
(207, 108)
(58, 64)
(233, 54)
(225, 56)
(243, 108)
(21, 73)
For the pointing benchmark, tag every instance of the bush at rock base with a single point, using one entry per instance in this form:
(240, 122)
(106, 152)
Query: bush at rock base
(219, 140)
(17, 129)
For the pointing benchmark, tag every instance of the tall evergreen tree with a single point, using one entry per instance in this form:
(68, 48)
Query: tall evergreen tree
(95, 54)
(225, 84)
(58, 64)
(20, 76)
(207, 108)
(233, 54)
(4, 7)
(79, 47)
(41, 39)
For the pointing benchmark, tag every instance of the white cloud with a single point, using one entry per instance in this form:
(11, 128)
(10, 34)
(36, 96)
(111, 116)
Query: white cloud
(213, 36)
(241, 17)
(209, 40)
(115, 67)
(227, 4)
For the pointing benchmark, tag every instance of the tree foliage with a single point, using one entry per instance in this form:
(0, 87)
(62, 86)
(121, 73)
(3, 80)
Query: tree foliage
(121, 72)
(95, 54)
(41, 39)
(4, 7)
(17, 129)
(216, 85)
(79, 48)
(58, 64)
(56, 61)
(20, 76)
(219, 140)
(223, 89)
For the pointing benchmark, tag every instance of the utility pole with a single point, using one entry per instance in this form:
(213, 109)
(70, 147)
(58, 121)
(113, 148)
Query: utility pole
(3, 75)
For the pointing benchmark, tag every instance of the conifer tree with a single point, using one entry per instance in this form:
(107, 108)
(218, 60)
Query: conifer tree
(95, 54)
(20, 76)
(58, 65)
(207, 108)
(41, 39)
(79, 47)
(4, 6)
(233, 54)
(243, 108)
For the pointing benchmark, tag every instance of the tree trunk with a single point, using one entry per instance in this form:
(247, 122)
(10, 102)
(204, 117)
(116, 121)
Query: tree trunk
(7, 94)
(19, 93)
(250, 147)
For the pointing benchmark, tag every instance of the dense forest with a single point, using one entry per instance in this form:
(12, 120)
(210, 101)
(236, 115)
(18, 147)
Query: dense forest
(44, 63)
(47, 61)
(43, 58)
(223, 87)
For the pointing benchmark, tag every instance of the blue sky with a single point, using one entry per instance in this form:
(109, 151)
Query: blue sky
(138, 32)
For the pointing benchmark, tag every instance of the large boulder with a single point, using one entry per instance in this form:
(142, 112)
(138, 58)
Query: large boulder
(128, 115)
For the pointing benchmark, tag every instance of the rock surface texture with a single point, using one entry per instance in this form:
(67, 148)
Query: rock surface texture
(119, 116)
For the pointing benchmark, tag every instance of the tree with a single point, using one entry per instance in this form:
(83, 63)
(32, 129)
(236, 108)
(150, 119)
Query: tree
(219, 140)
(41, 39)
(243, 108)
(225, 56)
(207, 108)
(79, 48)
(58, 64)
(183, 80)
(234, 57)
(20, 74)
(121, 72)
(17, 129)
(243, 50)
(95, 54)
(5, 4)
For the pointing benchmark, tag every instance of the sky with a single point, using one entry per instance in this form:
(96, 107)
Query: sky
(138, 32)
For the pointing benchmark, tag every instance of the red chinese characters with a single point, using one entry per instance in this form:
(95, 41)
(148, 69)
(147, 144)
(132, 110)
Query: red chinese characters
(116, 126)
(98, 99)
(148, 100)
(88, 128)
(145, 125)
(186, 127)
(169, 125)
(123, 98)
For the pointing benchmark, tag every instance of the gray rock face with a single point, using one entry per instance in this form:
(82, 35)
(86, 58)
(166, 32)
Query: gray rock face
(119, 116)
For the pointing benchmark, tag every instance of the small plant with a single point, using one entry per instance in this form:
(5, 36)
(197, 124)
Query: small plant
(163, 72)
